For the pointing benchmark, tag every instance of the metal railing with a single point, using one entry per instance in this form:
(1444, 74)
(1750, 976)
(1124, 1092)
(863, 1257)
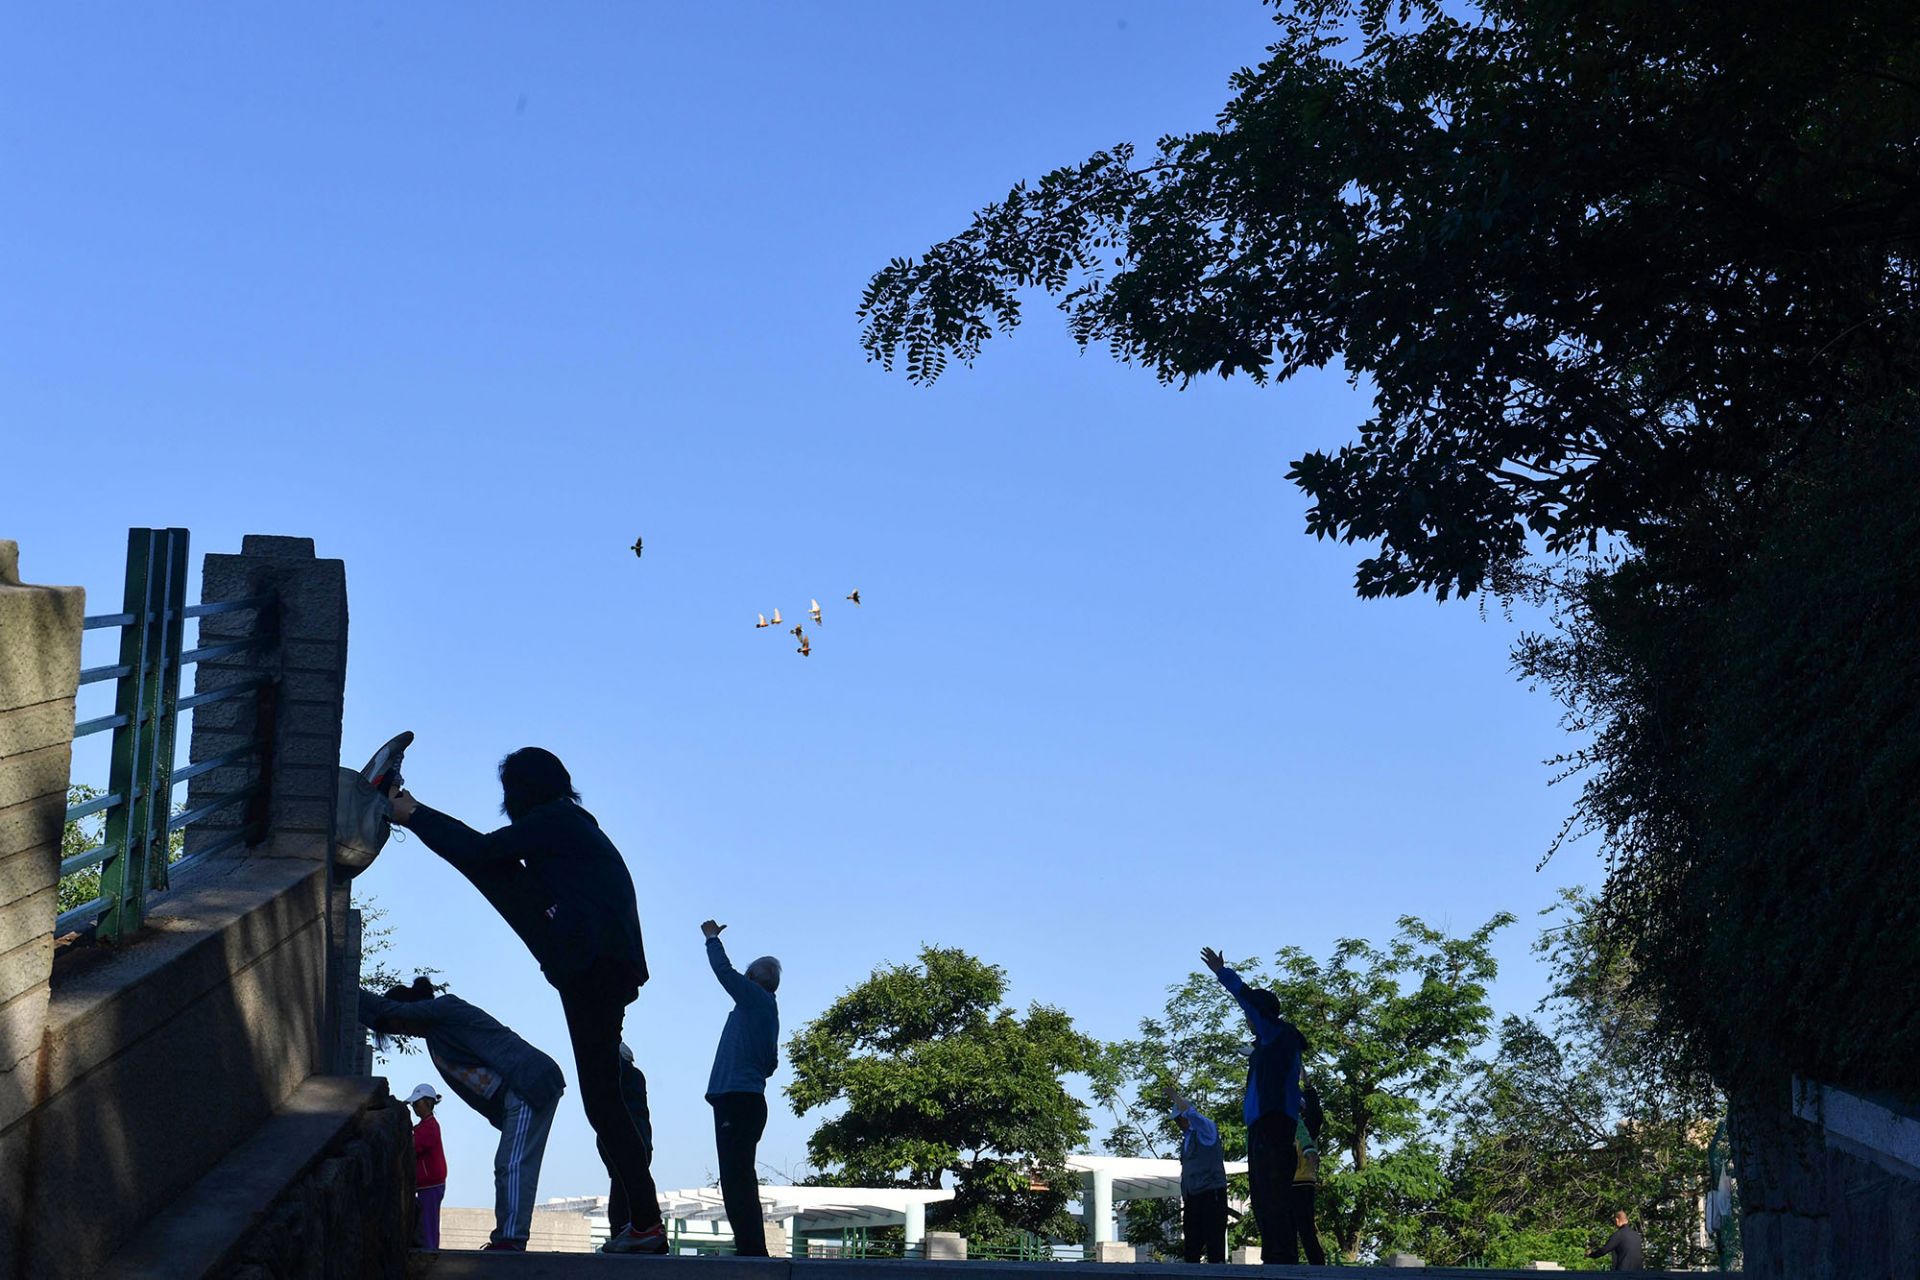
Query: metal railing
(143, 829)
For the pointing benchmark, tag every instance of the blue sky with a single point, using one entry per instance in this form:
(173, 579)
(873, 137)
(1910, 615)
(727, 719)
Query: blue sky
(474, 294)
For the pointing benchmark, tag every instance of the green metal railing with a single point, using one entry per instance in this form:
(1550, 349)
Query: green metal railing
(141, 822)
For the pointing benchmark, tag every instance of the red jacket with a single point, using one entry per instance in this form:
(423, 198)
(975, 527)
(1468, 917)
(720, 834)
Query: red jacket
(429, 1157)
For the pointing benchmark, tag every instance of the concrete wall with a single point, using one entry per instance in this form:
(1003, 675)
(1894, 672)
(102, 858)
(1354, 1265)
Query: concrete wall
(131, 1072)
(1820, 1198)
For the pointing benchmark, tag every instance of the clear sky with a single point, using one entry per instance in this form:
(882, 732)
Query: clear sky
(472, 294)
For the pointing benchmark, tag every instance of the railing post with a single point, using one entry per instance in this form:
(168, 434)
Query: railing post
(39, 671)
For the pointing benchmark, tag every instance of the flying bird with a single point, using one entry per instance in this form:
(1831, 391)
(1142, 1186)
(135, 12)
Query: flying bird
(855, 597)
(806, 647)
(796, 631)
(776, 617)
(763, 621)
(636, 548)
(814, 612)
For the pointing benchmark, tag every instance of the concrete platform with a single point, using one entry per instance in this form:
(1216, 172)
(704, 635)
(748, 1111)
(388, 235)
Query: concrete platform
(568, 1266)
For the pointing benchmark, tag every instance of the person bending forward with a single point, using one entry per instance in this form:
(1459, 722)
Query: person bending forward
(737, 1087)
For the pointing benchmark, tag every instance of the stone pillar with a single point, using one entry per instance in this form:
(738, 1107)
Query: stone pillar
(946, 1246)
(916, 1223)
(307, 624)
(1099, 1207)
(39, 671)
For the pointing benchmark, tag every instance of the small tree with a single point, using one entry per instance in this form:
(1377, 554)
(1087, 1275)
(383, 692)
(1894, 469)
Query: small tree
(939, 1079)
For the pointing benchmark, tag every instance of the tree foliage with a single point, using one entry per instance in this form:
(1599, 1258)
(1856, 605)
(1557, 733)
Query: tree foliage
(1577, 1113)
(1632, 288)
(1389, 1029)
(936, 1078)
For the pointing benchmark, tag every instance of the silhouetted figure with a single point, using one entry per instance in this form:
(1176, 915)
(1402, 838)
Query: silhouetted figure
(1629, 1251)
(429, 1167)
(1203, 1185)
(737, 1087)
(1272, 1109)
(633, 1095)
(514, 1085)
(1306, 1175)
(553, 875)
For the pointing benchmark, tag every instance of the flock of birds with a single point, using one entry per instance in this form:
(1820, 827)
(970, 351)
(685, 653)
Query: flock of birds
(799, 630)
(805, 649)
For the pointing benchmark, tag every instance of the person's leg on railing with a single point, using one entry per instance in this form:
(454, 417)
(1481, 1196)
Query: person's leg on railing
(738, 1121)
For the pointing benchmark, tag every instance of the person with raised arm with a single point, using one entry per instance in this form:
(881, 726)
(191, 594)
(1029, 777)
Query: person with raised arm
(1203, 1183)
(1272, 1109)
(737, 1087)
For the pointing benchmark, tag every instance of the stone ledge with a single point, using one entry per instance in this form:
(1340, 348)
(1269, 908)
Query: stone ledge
(29, 728)
(589, 1266)
(216, 920)
(195, 1234)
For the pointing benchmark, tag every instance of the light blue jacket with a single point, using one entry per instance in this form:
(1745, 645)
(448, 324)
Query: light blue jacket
(750, 1043)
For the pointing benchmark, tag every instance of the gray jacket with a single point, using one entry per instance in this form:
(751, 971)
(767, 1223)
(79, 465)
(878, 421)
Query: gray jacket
(750, 1043)
(478, 1058)
(1203, 1161)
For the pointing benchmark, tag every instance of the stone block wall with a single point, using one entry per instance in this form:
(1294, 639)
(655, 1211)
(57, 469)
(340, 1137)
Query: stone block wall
(39, 671)
(349, 1219)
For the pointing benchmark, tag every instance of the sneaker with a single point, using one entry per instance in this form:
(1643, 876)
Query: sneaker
(383, 771)
(504, 1246)
(652, 1240)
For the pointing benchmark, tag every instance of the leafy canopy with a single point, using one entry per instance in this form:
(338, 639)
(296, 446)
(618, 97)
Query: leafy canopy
(939, 1078)
(1604, 266)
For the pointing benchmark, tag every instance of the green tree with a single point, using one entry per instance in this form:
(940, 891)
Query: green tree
(1633, 288)
(1390, 1030)
(1579, 1112)
(939, 1079)
(83, 835)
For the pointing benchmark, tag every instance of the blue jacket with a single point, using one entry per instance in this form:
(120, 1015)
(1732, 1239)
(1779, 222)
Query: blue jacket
(750, 1042)
(1273, 1075)
(573, 905)
(478, 1058)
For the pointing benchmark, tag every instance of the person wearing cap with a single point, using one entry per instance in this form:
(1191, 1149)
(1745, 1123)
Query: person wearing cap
(514, 1085)
(737, 1087)
(1203, 1184)
(1272, 1109)
(429, 1166)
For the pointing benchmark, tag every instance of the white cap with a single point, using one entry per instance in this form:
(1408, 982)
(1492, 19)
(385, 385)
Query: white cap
(422, 1091)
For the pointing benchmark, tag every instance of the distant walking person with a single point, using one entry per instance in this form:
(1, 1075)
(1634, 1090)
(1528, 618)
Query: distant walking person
(429, 1167)
(737, 1088)
(1203, 1184)
(514, 1085)
(553, 875)
(1628, 1249)
(633, 1094)
(1272, 1109)
(1306, 1175)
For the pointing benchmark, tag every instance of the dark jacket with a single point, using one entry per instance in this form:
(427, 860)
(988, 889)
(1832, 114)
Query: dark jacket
(469, 1047)
(1273, 1073)
(574, 909)
(1628, 1250)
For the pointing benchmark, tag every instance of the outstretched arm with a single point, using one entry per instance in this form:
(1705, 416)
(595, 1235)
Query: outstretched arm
(738, 985)
(461, 845)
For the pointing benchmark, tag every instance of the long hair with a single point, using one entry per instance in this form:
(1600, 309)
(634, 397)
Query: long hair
(530, 777)
(422, 988)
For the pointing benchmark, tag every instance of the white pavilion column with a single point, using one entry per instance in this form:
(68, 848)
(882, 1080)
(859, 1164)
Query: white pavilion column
(1099, 1207)
(916, 1222)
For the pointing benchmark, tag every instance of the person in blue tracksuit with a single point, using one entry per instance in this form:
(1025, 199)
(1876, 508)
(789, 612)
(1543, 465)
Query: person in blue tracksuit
(737, 1087)
(1272, 1109)
(514, 1085)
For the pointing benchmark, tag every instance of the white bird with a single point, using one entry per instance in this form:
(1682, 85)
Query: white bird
(815, 611)
(763, 620)
(776, 617)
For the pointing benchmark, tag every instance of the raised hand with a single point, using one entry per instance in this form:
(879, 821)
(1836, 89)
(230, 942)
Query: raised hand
(403, 806)
(711, 929)
(1212, 959)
